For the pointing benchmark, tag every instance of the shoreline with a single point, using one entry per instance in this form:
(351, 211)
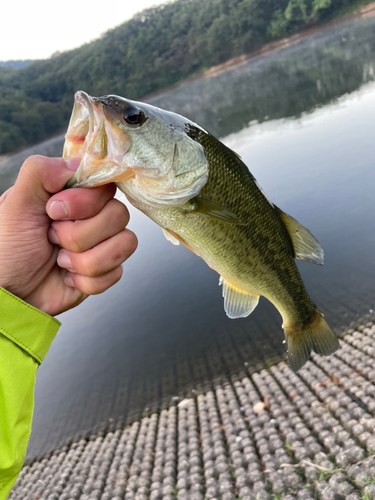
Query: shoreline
(235, 62)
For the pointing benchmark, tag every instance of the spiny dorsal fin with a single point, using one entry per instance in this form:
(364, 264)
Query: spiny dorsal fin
(170, 237)
(305, 246)
(237, 304)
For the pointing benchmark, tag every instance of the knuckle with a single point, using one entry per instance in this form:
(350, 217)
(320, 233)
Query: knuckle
(32, 164)
(85, 285)
(132, 242)
(73, 241)
(91, 268)
(95, 286)
(5, 195)
(91, 287)
(119, 212)
(122, 208)
(90, 264)
(116, 276)
(125, 216)
(32, 161)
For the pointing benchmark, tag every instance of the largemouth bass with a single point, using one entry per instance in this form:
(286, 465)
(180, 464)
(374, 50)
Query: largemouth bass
(203, 195)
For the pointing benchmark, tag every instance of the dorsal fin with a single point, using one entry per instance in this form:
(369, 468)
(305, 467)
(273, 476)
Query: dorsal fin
(237, 304)
(305, 246)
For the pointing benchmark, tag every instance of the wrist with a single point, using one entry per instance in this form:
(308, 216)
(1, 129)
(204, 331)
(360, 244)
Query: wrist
(31, 329)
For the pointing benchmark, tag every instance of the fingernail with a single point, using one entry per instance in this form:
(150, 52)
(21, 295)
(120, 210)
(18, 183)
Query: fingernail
(52, 236)
(68, 280)
(58, 210)
(64, 261)
(72, 163)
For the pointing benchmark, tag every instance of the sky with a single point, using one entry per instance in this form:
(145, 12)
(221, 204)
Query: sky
(35, 29)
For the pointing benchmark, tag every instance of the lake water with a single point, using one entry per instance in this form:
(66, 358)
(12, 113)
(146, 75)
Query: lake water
(303, 120)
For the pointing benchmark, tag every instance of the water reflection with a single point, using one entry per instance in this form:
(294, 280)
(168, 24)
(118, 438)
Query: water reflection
(282, 84)
(162, 332)
(286, 83)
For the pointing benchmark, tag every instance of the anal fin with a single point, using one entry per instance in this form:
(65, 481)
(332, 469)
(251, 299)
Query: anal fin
(237, 303)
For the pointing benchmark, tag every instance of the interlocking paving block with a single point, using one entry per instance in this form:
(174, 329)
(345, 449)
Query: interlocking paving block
(265, 434)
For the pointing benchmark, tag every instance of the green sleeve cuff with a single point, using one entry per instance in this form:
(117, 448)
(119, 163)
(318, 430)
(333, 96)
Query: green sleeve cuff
(26, 326)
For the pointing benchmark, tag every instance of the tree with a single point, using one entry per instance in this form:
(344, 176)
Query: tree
(296, 11)
(156, 48)
(278, 25)
(10, 137)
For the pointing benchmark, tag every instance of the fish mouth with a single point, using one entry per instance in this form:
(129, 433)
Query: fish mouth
(100, 144)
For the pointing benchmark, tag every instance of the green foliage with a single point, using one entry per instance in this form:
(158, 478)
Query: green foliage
(158, 47)
(370, 480)
(296, 11)
(323, 476)
(301, 13)
(320, 5)
(10, 137)
(288, 446)
(278, 25)
(365, 496)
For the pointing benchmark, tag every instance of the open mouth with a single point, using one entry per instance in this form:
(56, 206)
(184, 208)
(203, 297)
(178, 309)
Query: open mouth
(81, 126)
(98, 143)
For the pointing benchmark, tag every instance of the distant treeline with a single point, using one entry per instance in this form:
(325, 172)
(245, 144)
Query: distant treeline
(16, 64)
(155, 49)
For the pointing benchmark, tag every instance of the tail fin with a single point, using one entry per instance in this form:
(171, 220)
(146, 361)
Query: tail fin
(316, 336)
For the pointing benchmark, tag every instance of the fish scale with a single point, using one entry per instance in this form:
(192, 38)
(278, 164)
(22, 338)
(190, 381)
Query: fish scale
(242, 254)
(203, 195)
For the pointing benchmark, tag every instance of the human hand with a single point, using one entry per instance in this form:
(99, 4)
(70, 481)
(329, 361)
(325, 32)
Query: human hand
(88, 230)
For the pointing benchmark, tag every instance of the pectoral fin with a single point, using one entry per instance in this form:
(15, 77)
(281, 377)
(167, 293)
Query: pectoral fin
(305, 246)
(212, 209)
(170, 237)
(237, 304)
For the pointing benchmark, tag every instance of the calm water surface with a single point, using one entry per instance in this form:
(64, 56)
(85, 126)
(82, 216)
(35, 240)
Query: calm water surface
(303, 120)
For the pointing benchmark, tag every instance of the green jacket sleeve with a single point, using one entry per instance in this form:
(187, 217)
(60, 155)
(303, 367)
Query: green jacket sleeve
(25, 337)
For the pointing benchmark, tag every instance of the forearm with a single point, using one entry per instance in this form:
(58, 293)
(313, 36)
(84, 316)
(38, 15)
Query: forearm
(17, 379)
(57, 247)
(25, 336)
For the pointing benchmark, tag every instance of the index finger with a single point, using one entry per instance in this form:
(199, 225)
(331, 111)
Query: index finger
(79, 203)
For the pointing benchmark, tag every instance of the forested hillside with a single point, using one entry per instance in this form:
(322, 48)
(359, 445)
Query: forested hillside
(16, 64)
(156, 48)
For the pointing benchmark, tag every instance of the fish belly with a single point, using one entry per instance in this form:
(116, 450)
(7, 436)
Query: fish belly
(257, 261)
(242, 259)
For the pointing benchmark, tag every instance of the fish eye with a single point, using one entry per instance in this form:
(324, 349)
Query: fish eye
(134, 117)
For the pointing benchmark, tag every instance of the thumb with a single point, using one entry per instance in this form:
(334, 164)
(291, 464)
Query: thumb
(40, 177)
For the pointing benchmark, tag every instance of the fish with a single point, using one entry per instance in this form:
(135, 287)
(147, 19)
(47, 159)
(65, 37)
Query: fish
(202, 195)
